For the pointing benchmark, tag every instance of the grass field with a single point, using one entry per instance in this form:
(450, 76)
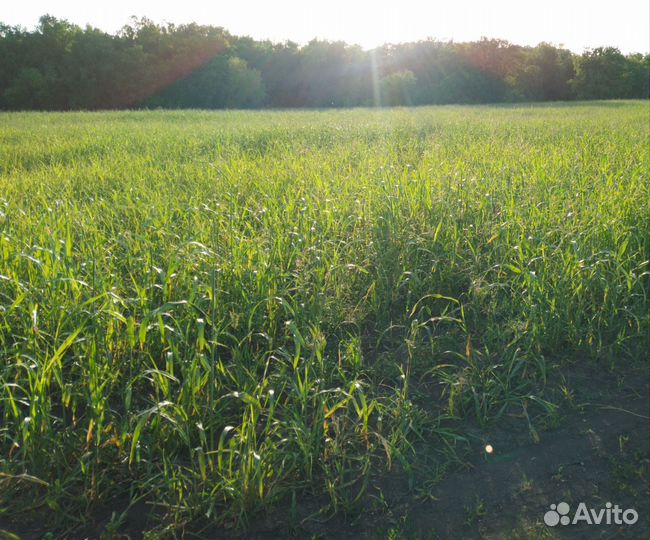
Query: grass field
(212, 315)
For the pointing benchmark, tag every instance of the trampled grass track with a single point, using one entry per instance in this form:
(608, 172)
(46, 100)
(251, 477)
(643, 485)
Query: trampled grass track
(216, 312)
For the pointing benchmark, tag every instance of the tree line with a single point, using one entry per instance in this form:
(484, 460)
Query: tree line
(61, 66)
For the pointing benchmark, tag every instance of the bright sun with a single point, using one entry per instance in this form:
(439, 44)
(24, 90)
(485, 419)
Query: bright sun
(577, 24)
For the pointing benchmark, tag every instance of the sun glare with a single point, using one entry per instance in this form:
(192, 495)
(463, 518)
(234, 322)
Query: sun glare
(578, 24)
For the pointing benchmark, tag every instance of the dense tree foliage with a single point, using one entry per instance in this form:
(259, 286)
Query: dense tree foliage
(62, 66)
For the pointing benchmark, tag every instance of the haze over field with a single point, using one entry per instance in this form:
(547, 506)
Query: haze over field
(576, 24)
(60, 66)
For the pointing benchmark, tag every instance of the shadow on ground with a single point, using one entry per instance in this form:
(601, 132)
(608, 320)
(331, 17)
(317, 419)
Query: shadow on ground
(597, 452)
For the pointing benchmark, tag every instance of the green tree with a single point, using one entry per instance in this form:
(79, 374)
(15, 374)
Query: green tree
(599, 74)
(544, 74)
(27, 91)
(636, 76)
(224, 82)
(399, 88)
(59, 65)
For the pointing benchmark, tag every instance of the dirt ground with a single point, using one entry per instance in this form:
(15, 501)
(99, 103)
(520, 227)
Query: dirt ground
(598, 452)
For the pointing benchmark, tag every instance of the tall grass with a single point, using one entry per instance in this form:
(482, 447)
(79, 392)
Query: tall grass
(217, 312)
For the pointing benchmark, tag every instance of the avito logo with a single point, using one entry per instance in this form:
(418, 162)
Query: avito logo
(610, 515)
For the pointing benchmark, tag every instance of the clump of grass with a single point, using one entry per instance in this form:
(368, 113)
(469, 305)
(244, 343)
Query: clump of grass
(214, 312)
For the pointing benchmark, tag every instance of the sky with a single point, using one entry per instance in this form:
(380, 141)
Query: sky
(576, 24)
